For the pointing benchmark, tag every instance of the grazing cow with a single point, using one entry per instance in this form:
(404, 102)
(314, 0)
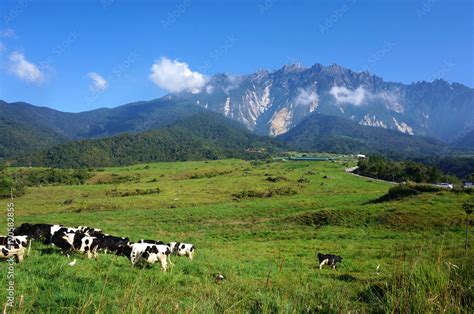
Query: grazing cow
(82, 243)
(93, 232)
(146, 253)
(43, 232)
(158, 242)
(108, 243)
(24, 229)
(6, 252)
(37, 231)
(60, 240)
(13, 247)
(14, 242)
(182, 249)
(328, 259)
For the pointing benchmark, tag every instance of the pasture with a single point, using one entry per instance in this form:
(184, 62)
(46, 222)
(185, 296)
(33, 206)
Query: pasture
(260, 224)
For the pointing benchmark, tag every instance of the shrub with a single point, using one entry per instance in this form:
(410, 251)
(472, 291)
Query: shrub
(283, 191)
(115, 192)
(303, 180)
(276, 179)
(401, 191)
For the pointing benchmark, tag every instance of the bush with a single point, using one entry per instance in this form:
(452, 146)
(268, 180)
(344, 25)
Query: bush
(284, 191)
(36, 177)
(115, 192)
(276, 179)
(303, 180)
(401, 191)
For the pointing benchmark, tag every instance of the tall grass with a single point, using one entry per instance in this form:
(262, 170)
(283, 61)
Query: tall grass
(424, 286)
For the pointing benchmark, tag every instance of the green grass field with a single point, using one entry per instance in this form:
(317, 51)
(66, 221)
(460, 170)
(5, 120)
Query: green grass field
(261, 235)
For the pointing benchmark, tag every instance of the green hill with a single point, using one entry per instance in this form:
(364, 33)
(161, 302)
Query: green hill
(332, 134)
(17, 138)
(203, 136)
(24, 127)
(466, 142)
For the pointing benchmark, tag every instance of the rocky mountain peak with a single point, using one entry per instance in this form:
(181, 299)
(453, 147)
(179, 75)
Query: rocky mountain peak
(271, 103)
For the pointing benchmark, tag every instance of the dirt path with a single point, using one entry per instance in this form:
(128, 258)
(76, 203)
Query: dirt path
(352, 169)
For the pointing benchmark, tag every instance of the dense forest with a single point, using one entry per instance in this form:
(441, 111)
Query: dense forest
(338, 135)
(459, 166)
(379, 167)
(17, 138)
(203, 136)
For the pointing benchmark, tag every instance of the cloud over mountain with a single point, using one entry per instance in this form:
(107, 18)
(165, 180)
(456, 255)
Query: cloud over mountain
(175, 76)
(344, 95)
(306, 97)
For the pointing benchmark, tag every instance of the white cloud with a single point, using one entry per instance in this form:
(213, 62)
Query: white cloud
(98, 83)
(8, 33)
(306, 97)
(233, 83)
(361, 96)
(344, 95)
(23, 69)
(176, 76)
(209, 89)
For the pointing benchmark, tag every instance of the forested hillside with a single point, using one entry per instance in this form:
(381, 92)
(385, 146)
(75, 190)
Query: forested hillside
(338, 135)
(203, 136)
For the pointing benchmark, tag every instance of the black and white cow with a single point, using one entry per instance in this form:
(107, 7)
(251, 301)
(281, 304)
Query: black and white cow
(160, 243)
(82, 243)
(13, 247)
(93, 232)
(329, 259)
(36, 231)
(146, 253)
(24, 229)
(182, 249)
(60, 240)
(109, 243)
(14, 241)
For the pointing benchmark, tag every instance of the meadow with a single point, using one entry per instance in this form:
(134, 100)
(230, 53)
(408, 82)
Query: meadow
(260, 224)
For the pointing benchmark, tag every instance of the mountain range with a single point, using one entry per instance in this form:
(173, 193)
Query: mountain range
(327, 108)
(271, 103)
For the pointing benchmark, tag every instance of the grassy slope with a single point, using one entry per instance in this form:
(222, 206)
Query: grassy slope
(265, 247)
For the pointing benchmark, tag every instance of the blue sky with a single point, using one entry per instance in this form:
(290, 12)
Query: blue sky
(81, 55)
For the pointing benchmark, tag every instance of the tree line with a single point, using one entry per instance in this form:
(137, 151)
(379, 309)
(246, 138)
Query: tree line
(379, 167)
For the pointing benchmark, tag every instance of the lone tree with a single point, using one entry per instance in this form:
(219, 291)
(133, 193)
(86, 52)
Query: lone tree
(468, 208)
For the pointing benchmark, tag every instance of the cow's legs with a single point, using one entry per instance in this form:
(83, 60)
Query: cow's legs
(163, 262)
(323, 263)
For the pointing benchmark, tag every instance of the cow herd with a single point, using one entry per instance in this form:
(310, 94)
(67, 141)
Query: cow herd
(90, 241)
